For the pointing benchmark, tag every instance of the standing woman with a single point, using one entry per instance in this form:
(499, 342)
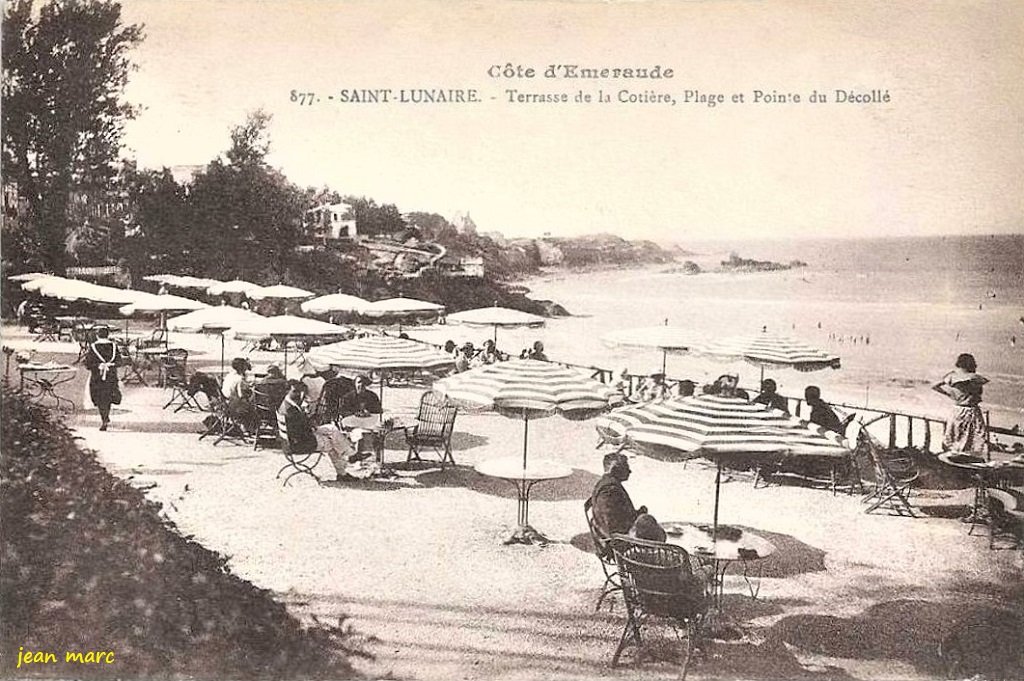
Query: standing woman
(101, 361)
(967, 430)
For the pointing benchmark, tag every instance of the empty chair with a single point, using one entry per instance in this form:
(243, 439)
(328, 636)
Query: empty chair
(175, 370)
(603, 550)
(266, 430)
(659, 583)
(894, 477)
(434, 425)
(128, 358)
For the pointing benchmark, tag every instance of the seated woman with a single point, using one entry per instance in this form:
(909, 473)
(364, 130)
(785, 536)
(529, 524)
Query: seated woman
(237, 391)
(655, 389)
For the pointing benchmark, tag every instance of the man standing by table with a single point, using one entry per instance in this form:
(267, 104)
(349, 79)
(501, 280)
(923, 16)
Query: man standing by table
(614, 512)
(101, 361)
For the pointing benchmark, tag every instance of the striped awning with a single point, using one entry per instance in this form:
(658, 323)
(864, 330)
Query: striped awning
(497, 317)
(712, 426)
(378, 353)
(531, 387)
(771, 350)
(665, 338)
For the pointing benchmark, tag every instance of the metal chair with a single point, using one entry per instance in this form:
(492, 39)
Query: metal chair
(894, 477)
(265, 405)
(659, 582)
(45, 329)
(604, 553)
(300, 463)
(223, 423)
(328, 406)
(128, 359)
(175, 371)
(434, 425)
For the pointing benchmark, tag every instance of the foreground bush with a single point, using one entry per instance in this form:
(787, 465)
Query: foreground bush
(88, 564)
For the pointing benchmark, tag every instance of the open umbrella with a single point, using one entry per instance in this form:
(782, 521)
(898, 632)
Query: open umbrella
(73, 290)
(28, 276)
(527, 388)
(161, 305)
(401, 307)
(665, 338)
(378, 353)
(334, 302)
(771, 350)
(281, 291)
(496, 317)
(216, 319)
(718, 427)
(285, 328)
(233, 286)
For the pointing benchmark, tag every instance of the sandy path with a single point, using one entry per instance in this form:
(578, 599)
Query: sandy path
(420, 567)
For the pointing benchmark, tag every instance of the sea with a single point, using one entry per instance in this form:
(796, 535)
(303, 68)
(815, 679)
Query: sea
(897, 311)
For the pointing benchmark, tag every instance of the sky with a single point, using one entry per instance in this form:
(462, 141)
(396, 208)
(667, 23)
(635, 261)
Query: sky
(943, 156)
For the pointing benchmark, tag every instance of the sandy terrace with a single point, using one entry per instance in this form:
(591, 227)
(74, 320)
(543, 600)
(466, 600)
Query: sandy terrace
(419, 566)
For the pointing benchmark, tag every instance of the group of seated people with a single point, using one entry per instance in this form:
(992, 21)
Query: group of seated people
(467, 356)
(653, 388)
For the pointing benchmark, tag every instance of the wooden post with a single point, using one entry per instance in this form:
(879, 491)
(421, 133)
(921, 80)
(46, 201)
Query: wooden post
(927, 435)
(892, 431)
(910, 431)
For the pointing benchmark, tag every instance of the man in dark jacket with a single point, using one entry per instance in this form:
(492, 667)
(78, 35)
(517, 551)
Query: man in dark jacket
(613, 509)
(294, 424)
(360, 402)
(822, 414)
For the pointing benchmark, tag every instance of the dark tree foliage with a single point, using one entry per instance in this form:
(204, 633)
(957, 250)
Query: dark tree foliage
(161, 221)
(64, 71)
(372, 219)
(246, 215)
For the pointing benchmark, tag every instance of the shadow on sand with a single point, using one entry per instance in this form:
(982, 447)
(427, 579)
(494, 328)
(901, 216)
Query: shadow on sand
(791, 557)
(959, 638)
(576, 486)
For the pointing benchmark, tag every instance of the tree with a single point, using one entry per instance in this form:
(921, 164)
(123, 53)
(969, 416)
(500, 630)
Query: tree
(64, 73)
(373, 219)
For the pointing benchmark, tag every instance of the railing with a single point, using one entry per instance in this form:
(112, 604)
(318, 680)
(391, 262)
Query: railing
(904, 429)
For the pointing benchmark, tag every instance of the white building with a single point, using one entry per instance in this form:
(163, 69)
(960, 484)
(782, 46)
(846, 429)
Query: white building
(330, 221)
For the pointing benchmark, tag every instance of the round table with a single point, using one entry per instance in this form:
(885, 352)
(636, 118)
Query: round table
(983, 473)
(381, 425)
(44, 378)
(722, 553)
(523, 479)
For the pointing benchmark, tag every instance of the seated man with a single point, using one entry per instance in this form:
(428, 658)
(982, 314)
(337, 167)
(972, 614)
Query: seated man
(294, 424)
(770, 398)
(822, 414)
(538, 352)
(360, 402)
(613, 509)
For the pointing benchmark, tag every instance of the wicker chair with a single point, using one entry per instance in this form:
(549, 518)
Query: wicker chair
(894, 477)
(659, 582)
(434, 425)
(328, 406)
(1006, 519)
(265, 405)
(603, 550)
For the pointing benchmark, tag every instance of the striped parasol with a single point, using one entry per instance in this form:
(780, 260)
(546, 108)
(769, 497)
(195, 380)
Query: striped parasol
(717, 427)
(771, 350)
(528, 388)
(378, 353)
(665, 338)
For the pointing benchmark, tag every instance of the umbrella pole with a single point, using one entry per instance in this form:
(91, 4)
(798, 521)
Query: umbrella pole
(221, 355)
(718, 489)
(664, 361)
(495, 335)
(382, 392)
(526, 435)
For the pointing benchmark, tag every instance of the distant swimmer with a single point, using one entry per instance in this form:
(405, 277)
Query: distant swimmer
(1013, 341)
(1021, 321)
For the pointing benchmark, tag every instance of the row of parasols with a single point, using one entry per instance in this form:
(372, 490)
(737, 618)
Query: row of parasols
(712, 426)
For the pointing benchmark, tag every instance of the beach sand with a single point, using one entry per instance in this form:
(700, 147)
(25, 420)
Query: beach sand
(419, 568)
